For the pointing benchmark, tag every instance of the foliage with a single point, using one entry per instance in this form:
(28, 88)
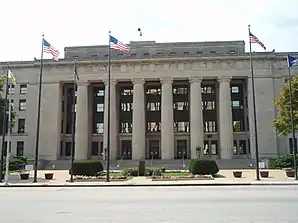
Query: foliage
(283, 122)
(87, 168)
(16, 163)
(203, 167)
(286, 161)
(148, 172)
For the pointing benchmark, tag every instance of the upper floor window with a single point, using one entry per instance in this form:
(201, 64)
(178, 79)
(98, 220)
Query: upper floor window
(153, 126)
(153, 106)
(126, 127)
(21, 125)
(22, 105)
(180, 106)
(23, 89)
(99, 127)
(208, 89)
(210, 126)
(235, 89)
(126, 106)
(236, 105)
(100, 93)
(100, 107)
(11, 89)
(208, 105)
(126, 92)
(153, 91)
(180, 90)
(181, 126)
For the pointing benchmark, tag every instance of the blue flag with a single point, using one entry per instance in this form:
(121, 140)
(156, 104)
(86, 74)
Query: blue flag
(292, 61)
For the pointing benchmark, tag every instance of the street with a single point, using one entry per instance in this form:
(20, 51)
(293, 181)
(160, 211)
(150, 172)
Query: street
(150, 204)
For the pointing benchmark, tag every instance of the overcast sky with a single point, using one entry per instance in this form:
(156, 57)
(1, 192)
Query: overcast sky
(79, 23)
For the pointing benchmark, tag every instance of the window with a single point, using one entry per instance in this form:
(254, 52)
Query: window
(126, 127)
(180, 106)
(99, 127)
(181, 126)
(172, 53)
(153, 106)
(12, 104)
(11, 89)
(126, 106)
(23, 89)
(21, 125)
(180, 90)
(236, 104)
(100, 93)
(20, 148)
(153, 126)
(99, 107)
(153, 91)
(22, 105)
(238, 126)
(146, 54)
(209, 126)
(208, 105)
(126, 92)
(235, 89)
(208, 89)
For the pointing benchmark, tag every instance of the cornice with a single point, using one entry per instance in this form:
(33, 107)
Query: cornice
(64, 62)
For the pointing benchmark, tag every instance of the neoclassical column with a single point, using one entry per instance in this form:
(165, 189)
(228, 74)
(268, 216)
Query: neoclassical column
(113, 120)
(167, 118)
(251, 118)
(82, 120)
(138, 120)
(225, 118)
(196, 116)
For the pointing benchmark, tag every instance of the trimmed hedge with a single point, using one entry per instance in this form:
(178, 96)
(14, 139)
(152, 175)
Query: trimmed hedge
(87, 168)
(148, 172)
(286, 161)
(15, 163)
(203, 167)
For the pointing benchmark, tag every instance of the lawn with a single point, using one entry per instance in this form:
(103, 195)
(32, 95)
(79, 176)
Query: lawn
(176, 174)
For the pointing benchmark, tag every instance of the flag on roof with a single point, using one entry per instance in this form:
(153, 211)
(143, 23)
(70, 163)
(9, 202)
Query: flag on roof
(48, 48)
(292, 61)
(254, 39)
(117, 45)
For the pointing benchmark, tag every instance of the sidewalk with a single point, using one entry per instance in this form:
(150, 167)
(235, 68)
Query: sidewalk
(277, 177)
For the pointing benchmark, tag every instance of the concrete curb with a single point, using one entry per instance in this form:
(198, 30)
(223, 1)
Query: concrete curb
(153, 185)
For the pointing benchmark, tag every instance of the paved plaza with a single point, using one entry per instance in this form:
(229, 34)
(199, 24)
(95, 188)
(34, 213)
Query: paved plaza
(225, 177)
(256, 204)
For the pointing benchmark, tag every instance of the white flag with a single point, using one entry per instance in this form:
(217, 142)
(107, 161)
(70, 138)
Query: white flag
(11, 77)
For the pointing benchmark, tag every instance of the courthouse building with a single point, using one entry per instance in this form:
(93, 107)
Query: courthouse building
(167, 100)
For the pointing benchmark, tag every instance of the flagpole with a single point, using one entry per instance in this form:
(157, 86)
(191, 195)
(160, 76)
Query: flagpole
(294, 144)
(8, 140)
(254, 109)
(109, 111)
(38, 114)
(73, 126)
(4, 125)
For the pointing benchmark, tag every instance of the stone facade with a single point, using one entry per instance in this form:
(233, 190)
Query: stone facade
(165, 63)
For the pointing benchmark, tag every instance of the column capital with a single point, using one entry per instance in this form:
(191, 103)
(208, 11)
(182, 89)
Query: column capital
(138, 81)
(83, 83)
(166, 80)
(195, 79)
(224, 79)
(112, 81)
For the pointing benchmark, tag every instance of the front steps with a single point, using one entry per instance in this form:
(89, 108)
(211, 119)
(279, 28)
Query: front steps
(168, 164)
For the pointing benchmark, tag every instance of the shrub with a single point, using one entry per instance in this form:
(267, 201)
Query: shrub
(154, 172)
(286, 161)
(16, 163)
(203, 167)
(87, 168)
(163, 169)
(130, 172)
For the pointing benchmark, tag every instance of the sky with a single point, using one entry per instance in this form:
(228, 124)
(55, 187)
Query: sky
(80, 23)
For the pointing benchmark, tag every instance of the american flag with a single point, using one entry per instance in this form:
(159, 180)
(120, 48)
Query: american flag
(254, 39)
(117, 45)
(48, 48)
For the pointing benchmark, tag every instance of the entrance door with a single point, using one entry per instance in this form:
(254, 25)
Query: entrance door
(210, 148)
(126, 150)
(240, 149)
(154, 150)
(181, 151)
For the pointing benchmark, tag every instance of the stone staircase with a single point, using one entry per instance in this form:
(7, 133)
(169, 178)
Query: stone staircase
(168, 164)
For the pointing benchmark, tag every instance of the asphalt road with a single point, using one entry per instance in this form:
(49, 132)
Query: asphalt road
(153, 204)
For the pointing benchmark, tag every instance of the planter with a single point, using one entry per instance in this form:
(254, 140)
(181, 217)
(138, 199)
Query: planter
(290, 173)
(237, 174)
(264, 174)
(24, 176)
(48, 176)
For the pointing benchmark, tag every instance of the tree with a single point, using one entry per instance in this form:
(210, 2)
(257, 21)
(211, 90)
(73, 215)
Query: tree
(283, 123)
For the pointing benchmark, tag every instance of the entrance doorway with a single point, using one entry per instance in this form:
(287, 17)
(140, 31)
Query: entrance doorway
(154, 150)
(97, 150)
(126, 150)
(240, 148)
(210, 148)
(181, 149)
